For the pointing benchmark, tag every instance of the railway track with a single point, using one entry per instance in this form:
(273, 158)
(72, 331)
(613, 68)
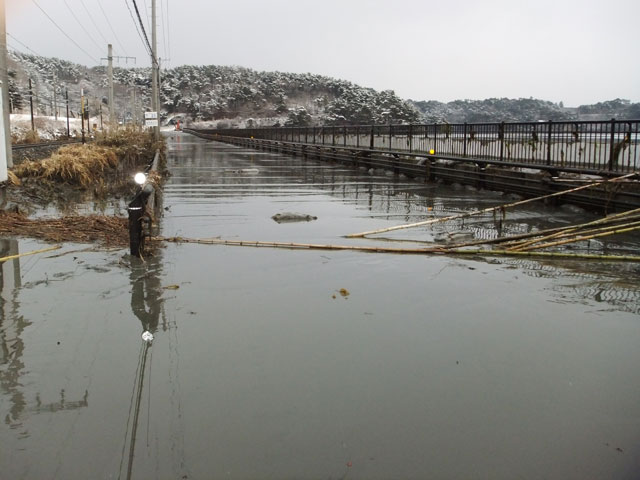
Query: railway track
(27, 146)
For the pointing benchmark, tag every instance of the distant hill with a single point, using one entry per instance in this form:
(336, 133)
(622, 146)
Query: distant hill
(522, 110)
(236, 96)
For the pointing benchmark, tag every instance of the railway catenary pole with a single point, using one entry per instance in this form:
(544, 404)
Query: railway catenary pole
(4, 78)
(112, 110)
(155, 66)
(33, 125)
(66, 95)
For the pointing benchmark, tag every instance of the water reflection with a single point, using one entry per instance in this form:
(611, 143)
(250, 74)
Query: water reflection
(12, 346)
(12, 325)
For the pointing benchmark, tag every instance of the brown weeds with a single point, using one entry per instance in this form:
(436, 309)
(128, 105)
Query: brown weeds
(109, 231)
(82, 165)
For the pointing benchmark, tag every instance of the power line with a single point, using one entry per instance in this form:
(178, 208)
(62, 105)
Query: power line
(146, 38)
(168, 29)
(164, 36)
(138, 29)
(25, 46)
(111, 27)
(92, 21)
(82, 26)
(65, 33)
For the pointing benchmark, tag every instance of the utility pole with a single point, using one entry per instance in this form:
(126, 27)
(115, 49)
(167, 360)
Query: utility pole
(66, 94)
(112, 108)
(154, 63)
(55, 96)
(4, 78)
(82, 113)
(33, 125)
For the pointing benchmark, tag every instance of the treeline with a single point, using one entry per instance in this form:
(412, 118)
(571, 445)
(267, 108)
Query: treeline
(237, 96)
(522, 110)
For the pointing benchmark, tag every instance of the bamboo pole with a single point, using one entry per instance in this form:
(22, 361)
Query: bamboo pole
(408, 251)
(11, 257)
(579, 238)
(601, 221)
(489, 209)
(291, 245)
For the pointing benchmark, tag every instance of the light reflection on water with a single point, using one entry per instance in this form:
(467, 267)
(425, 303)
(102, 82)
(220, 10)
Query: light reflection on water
(429, 367)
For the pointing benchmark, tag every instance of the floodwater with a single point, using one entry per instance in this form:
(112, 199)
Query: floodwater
(307, 364)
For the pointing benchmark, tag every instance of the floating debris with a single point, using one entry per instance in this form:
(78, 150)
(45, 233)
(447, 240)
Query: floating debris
(147, 337)
(287, 217)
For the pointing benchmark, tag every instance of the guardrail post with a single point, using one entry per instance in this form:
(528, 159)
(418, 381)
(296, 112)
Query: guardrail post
(410, 138)
(333, 135)
(501, 138)
(464, 147)
(344, 129)
(390, 135)
(371, 142)
(549, 142)
(357, 136)
(612, 147)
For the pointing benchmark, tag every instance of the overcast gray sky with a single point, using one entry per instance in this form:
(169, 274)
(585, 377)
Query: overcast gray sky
(575, 51)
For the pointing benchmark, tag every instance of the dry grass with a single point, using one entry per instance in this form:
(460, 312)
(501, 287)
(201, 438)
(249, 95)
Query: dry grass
(83, 165)
(132, 145)
(28, 137)
(114, 154)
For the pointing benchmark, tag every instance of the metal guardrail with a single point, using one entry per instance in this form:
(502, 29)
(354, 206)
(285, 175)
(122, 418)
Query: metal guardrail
(608, 147)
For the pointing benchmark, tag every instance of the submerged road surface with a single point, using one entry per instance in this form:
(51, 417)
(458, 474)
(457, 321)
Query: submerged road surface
(283, 364)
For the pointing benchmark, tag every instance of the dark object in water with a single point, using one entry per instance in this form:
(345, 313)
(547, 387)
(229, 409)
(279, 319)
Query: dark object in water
(293, 217)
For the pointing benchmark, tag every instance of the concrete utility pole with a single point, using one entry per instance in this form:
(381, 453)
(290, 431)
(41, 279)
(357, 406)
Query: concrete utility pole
(4, 78)
(154, 63)
(112, 108)
(55, 95)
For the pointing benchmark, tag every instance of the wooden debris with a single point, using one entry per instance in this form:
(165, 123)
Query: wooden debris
(109, 231)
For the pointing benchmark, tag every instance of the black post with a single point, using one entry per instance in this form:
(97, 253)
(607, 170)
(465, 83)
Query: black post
(371, 140)
(135, 229)
(33, 125)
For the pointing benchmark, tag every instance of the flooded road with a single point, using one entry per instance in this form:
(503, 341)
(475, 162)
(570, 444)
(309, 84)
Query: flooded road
(274, 364)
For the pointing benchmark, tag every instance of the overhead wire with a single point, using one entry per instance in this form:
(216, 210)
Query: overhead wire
(164, 37)
(81, 25)
(137, 27)
(92, 21)
(25, 46)
(111, 27)
(144, 33)
(65, 33)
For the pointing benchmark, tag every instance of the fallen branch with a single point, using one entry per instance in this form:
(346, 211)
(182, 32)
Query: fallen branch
(489, 209)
